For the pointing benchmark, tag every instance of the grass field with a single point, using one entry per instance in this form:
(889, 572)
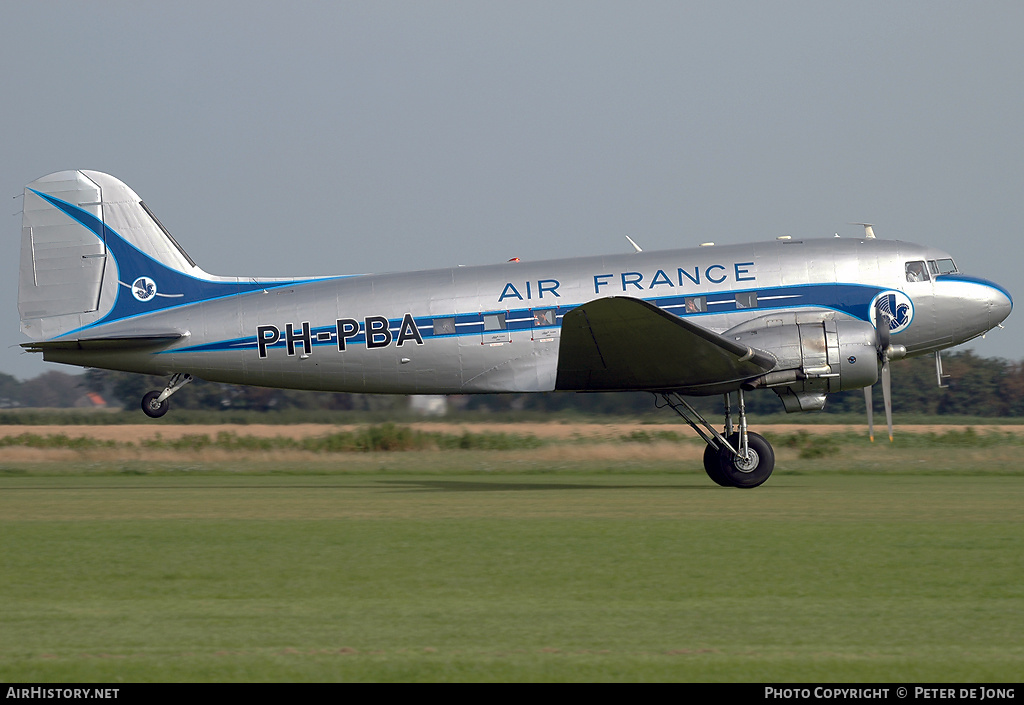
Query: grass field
(584, 559)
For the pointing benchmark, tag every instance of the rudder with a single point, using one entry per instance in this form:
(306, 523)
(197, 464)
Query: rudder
(62, 264)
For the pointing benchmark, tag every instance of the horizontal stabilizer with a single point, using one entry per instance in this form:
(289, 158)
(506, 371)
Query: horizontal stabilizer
(620, 343)
(121, 342)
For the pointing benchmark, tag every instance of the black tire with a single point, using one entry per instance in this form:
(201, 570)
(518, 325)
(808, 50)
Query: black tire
(152, 407)
(750, 472)
(713, 468)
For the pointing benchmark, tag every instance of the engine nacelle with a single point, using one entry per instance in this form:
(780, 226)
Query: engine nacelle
(815, 356)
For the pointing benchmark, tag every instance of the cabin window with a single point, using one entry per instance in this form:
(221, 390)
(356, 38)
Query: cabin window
(444, 326)
(916, 271)
(495, 329)
(746, 299)
(696, 304)
(544, 317)
(545, 321)
(494, 321)
(946, 266)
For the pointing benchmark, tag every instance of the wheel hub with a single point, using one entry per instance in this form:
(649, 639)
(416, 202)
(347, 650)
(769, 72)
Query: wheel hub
(749, 463)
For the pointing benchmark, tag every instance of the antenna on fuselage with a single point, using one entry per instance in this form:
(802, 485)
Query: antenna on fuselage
(869, 233)
(636, 247)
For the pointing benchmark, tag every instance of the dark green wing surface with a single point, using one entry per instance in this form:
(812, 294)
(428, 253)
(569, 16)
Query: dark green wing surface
(620, 343)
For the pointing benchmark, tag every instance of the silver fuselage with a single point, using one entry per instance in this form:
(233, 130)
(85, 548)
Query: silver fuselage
(496, 328)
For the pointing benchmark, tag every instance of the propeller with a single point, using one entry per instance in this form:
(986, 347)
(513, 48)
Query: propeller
(886, 352)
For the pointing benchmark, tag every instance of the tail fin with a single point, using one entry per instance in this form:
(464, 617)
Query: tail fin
(92, 252)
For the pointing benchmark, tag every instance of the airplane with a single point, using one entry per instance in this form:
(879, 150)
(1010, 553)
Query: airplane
(103, 284)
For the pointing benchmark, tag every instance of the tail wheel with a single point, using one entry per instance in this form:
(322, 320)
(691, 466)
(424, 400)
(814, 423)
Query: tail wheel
(751, 470)
(153, 407)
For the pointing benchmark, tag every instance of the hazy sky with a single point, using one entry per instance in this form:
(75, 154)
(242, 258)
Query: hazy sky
(327, 138)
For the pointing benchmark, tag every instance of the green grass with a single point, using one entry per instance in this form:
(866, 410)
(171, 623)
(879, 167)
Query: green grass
(398, 437)
(393, 574)
(382, 437)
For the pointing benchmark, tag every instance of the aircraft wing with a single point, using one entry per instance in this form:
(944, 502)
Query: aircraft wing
(620, 343)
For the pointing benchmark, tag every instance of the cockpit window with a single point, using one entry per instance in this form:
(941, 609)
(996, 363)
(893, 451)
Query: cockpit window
(916, 271)
(947, 266)
(933, 267)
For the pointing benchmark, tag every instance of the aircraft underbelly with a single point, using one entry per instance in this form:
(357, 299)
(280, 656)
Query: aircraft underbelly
(527, 367)
(448, 367)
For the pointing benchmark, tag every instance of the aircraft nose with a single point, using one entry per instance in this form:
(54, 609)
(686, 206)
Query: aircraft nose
(979, 304)
(999, 305)
(992, 304)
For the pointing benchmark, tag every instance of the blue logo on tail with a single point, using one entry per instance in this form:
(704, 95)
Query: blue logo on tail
(144, 288)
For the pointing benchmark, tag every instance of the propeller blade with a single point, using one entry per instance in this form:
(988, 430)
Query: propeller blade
(871, 415)
(882, 322)
(887, 395)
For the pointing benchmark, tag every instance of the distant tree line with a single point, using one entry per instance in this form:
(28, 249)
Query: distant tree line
(977, 386)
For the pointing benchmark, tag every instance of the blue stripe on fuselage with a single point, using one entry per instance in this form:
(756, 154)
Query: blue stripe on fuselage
(851, 299)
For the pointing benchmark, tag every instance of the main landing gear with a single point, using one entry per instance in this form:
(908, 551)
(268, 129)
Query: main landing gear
(736, 459)
(155, 403)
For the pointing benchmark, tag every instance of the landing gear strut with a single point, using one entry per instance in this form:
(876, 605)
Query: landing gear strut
(155, 403)
(736, 459)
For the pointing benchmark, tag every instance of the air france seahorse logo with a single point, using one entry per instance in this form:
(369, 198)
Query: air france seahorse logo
(897, 305)
(143, 288)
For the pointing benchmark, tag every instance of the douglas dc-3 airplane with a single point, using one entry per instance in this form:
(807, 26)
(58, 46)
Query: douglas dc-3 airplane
(103, 284)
